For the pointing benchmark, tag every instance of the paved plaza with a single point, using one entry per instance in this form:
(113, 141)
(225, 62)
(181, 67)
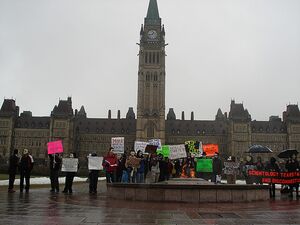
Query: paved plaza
(41, 207)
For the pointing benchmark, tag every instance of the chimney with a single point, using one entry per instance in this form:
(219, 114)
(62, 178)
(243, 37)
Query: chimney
(192, 116)
(109, 114)
(119, 114)
(182, 115)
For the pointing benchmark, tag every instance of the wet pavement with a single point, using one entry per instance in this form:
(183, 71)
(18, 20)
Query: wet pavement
(41, 207)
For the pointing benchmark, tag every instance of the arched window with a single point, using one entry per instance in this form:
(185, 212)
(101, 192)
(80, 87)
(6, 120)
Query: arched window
(148, 76)
(155, 76)
(157, 57)
(150, 57)
(153, 57)
(150, 130)
(146, 57)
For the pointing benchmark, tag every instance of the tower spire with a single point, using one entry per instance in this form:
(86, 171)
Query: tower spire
(152, 10)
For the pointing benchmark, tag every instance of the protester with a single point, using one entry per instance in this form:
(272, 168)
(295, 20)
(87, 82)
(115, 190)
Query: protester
(140, 173)
(163, 168)
(272, 167)
(292, 165)
(177, 167)
(55, 165)
(154, 168)
(121, 169)
(217, 169)
(259, 166)
(110, 163)
(26, 166)
(249, 165)
(93, 178)
(132, 164)
(231, 175)
(69, 178)
(12, 170)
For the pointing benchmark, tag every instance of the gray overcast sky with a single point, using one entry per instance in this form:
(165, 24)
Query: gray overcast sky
(218, 50)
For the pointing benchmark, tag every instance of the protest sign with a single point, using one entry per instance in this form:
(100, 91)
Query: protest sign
(210, 149)
(55, 147)
(276, 177)
(165, 150)
(204, 165)
(231, 168)
(177, 152)
(155, 142)
(194, 147)
(118, 144)
(95, 163)
(69, 165)
(140, 146)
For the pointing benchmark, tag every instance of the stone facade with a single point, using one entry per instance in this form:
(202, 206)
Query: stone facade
(233, 132)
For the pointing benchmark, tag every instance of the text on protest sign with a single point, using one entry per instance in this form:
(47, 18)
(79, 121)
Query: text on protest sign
(165, 150)
(95, 163)
(118, 144)
(194, 147)
(55, 147)
(210, 149)
(155, 142)
(69, 165)
(231, 168)
(140, 146)
(276, 177)
(177, 152)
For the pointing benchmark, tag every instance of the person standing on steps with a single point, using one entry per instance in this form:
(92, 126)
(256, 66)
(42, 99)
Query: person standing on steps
(26, 166)
(55, 164)
(12, 170)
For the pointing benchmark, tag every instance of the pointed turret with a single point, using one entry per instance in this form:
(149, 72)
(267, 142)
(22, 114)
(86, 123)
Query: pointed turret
(82, 112)
(153, 14)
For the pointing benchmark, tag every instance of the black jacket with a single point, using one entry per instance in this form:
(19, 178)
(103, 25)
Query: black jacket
(13, 163)
(217, 166)
(55, 162)
(26, 163)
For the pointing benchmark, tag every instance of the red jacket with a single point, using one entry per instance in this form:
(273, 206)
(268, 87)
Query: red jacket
(110, 163)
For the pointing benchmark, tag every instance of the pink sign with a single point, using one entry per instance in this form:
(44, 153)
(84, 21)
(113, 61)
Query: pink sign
(55, 147)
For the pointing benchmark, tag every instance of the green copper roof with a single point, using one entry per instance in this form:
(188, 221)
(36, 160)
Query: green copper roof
(153, 10)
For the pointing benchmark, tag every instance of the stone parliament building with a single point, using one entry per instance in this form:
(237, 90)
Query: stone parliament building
(234, 131)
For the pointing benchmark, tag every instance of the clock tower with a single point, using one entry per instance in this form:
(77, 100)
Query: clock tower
(151, 78)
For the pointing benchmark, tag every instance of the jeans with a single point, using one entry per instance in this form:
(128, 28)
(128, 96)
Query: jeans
(140, 178)
(12, 176)
(125, 177)
(24, 174)
(93, 176)
(54, 180)
(110, 177)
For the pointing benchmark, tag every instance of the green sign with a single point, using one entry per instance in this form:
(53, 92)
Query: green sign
(165, 150)
(204, 165)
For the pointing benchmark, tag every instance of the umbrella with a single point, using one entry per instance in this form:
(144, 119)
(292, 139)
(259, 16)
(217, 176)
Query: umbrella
(259, 149)
(287, 153)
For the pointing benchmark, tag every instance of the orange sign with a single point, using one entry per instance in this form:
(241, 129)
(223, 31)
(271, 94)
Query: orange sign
(210, 149)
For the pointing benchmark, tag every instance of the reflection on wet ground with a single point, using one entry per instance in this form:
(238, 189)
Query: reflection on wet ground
(41, 207)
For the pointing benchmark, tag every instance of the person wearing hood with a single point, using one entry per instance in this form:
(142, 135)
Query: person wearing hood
(26, 166)
(272, 167)
(12, 170)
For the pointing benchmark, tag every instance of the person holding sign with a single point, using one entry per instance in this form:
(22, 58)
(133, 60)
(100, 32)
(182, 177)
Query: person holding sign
(110, 163)
(26, 165)
(93, 178)
(55, 164)
(70, 176)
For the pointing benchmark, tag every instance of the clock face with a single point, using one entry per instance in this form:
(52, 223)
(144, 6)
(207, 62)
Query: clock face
(152, 34)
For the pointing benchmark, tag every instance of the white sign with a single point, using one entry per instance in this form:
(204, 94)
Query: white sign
(177, 152)
(95, 163)
(69, 165)
(140, 146)
(155, 142)
(118, 144)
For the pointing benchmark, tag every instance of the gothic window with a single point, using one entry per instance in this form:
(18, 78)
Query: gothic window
(157, 57)
(150, 57)
(150, 131)
(146, 57)
(148, 76)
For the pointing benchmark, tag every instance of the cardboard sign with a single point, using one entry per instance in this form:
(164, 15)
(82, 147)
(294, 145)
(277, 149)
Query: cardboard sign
(177, 152)
(118, 144)
(140, 146)
(210, 149)
(95, 163)
(69, 165)
(231, 168)
(155, 142)
(55, 147)
(165, 150)
(204, 165)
